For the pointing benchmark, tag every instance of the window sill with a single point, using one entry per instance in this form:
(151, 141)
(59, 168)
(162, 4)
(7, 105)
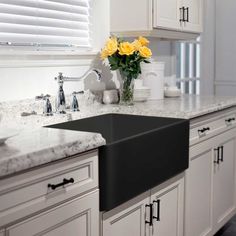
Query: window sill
(17, 59)
(47, 53)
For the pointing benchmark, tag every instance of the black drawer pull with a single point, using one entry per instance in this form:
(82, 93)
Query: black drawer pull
(187, 9)
(150, 215)
(217, 161)
(157, 218)
(229, 120)
(182, 16)
(221, 153)
(202, 131)
(64, 182)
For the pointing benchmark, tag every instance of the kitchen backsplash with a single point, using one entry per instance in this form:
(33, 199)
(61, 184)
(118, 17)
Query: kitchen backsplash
(23, 77)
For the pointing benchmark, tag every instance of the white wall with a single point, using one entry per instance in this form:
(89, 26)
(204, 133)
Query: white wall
(225, 83)
(27, 76)
(208, 49)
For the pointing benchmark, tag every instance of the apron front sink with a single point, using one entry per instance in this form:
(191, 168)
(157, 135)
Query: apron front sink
(140, 153)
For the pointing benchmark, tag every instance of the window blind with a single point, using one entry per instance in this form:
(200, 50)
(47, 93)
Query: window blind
(53, 23)
(188, 66)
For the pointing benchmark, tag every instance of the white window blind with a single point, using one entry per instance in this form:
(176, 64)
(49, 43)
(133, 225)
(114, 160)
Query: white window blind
(52, 23)
(188, 66)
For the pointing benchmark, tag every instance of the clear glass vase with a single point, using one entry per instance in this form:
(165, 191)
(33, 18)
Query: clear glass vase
(126, 90)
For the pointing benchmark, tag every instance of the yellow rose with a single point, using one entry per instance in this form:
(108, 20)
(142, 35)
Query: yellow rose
(111, 46)
(143, 41)
(145, 52)
(126, 48)
(104, 54)
(137, 45)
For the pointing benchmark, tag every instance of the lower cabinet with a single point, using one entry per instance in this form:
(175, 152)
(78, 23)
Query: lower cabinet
(198, 198)
(168, 205)
(157, 212)
(210, 199)
(76, 217)
(224, 181)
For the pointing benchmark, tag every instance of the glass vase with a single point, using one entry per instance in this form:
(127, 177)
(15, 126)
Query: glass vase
(126, 90)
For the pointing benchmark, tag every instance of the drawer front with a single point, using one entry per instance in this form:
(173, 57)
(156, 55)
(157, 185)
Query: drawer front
(73, 218)
(60, 182)
(211, 127)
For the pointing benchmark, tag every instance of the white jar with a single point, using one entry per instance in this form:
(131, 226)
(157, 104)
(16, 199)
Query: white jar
(110, 96)
(153, 77)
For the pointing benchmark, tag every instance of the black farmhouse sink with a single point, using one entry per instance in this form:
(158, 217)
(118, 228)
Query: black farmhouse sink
(141, 152)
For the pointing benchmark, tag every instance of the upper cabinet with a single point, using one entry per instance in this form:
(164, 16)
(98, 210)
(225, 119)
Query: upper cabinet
(177, 19)
(193, 15)
(167, 14)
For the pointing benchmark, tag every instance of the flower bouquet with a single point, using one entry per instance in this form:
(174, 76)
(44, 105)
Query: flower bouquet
(126, 58)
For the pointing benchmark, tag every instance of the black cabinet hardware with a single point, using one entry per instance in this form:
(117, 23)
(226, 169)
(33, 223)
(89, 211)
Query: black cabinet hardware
(217, 161)
(187, 10)
(157, 217)
(229, 120)
(182, 18)
(150, 222)
(64, 182)
(221, 153)
(203, 130)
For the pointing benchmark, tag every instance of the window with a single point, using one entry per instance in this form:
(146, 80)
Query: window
(188, 66)
(45, 24)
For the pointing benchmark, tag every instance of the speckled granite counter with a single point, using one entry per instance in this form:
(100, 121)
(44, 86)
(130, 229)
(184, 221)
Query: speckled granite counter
(30, 149)
(43, 145)
(187, 107)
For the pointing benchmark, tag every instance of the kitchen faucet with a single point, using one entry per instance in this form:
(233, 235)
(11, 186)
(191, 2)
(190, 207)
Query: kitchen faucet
(60, 99)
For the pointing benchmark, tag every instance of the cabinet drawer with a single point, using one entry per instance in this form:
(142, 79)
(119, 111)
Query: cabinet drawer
(77, 217)
(45, 186)
(211, 126)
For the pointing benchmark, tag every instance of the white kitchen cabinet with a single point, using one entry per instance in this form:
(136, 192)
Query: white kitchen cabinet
(76, 217)
(158, 18)
(198, 217)
(224, 181)
(193, 11)
(54, 200)
(210, 199)
(130, 15)
(167, 14)
(156, 212)
(168, 210)
(129, 219)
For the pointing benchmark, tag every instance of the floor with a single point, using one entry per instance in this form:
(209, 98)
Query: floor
(229, 229)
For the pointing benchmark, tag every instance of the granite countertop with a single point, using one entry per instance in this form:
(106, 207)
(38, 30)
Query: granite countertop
(43, 145)
(32, 148)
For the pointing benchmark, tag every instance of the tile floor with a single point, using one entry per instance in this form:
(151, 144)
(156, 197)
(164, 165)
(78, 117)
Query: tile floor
(229, 229)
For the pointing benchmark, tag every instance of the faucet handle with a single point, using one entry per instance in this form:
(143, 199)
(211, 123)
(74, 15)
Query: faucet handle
(74, 102)
(78, 92)
(47, 109)
(60, 77)
(42, 97)
(48, 106)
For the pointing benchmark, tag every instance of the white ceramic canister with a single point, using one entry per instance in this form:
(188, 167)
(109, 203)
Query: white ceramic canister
(153, 77)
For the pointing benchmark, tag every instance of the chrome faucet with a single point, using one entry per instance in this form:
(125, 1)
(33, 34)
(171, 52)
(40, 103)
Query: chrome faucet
(60, 99)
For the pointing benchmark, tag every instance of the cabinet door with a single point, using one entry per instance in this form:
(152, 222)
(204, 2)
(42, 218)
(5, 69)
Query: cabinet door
(128, 219)
(131, 15)
(2, 233)
(193, 13)
(198, 185)
(168, 205)
(77, 217)
(167, 14)
(224, 183)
